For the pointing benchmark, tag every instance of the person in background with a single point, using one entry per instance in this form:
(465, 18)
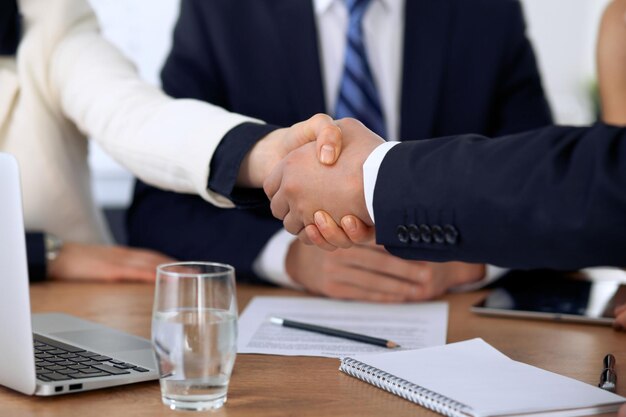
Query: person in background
(61, 82)
(412, 68)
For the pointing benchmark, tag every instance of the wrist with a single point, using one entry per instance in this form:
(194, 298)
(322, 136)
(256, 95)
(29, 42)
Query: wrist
(53, 246)
(260, 160)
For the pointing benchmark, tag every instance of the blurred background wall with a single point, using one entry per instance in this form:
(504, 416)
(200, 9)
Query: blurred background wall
(562, 31)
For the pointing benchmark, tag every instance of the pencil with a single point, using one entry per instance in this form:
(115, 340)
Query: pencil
(334, 332)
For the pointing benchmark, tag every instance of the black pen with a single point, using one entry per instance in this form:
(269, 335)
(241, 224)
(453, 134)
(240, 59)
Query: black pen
(608, 377)
(334, 332)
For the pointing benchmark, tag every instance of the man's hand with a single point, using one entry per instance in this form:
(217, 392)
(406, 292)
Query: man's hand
(267, 152)
(368, 272)
(78, 261)
(301, 185)
(620, 318)
(328, 235)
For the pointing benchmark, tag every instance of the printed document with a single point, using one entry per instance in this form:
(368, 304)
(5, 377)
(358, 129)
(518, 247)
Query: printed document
(412, 326)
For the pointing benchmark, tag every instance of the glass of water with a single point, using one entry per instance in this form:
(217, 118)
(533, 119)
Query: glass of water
(194, 333)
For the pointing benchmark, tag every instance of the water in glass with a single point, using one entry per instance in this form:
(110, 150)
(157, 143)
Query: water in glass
(195, 351)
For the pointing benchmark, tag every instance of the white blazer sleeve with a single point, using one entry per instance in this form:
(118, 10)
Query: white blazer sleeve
(165, 142)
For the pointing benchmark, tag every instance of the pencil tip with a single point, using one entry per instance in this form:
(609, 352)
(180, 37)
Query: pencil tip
(392, 345)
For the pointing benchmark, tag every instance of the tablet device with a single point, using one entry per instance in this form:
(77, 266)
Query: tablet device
(588, 296)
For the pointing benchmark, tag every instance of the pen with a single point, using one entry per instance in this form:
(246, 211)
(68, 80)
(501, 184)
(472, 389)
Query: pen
(608, 377)
(334, 332)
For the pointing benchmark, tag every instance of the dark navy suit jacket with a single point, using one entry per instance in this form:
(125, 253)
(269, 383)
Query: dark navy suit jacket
(467, 68)
(560, 203)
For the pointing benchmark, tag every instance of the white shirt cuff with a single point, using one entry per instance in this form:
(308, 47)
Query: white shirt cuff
(370, 173)
(492, 273)
(270, 265)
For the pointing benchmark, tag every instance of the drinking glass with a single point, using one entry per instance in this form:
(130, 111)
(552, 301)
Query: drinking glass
(194, 333)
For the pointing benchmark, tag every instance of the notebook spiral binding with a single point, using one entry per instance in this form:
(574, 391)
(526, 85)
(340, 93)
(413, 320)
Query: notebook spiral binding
(407, 390)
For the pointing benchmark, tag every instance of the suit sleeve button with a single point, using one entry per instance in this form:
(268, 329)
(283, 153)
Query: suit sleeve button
(414, 233)
(437, 232)
(451, 234)
(425, 233)
(403, 233)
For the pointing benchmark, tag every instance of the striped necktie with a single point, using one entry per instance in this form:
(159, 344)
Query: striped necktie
(358, 96)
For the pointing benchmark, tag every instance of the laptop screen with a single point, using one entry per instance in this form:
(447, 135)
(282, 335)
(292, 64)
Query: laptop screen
(17, 367)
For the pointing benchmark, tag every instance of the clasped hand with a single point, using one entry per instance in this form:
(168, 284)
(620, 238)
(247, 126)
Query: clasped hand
(312, 197)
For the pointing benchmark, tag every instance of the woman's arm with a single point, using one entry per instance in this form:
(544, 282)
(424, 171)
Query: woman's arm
(611, 61)
(165, 142)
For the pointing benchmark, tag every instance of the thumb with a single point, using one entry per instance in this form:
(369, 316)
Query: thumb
(320, 128)
(328, 144)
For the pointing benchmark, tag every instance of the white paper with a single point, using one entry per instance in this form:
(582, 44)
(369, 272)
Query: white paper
(412, 326)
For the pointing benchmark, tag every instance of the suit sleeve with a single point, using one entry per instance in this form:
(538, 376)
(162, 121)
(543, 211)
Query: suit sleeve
(36, 253)
(559, 203)
(520, 96)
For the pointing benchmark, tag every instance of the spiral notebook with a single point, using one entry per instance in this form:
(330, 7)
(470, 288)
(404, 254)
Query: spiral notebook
(472, 378)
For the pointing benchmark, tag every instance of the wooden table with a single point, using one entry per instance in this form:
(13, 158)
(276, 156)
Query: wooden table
(302, 386)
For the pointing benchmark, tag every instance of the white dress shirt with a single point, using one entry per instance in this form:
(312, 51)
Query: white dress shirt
(383, 28)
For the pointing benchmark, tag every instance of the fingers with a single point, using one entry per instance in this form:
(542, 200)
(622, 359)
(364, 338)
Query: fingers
(352, 231)
(128, 272)
(106, 263)
(356, 230)
(620, 309)
(271, 186)
(385, 264)
(356, 284)
(373, 281)
(329, 236)
(330, 232)
(418, 278)
(314, 237)
(279, 206)
(131, 264)
(144, 258)
(620, 318)
(292, 224)
(350, 292)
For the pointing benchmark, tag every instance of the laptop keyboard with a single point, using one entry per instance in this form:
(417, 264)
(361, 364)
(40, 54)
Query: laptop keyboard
(57, 361)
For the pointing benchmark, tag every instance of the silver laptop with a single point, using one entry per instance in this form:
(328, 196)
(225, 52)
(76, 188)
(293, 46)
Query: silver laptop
(52, 354)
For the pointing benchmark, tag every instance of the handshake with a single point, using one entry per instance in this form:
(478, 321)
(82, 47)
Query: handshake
(319, 196)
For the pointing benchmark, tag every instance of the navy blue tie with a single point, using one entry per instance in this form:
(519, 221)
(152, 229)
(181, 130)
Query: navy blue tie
(358, 96)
